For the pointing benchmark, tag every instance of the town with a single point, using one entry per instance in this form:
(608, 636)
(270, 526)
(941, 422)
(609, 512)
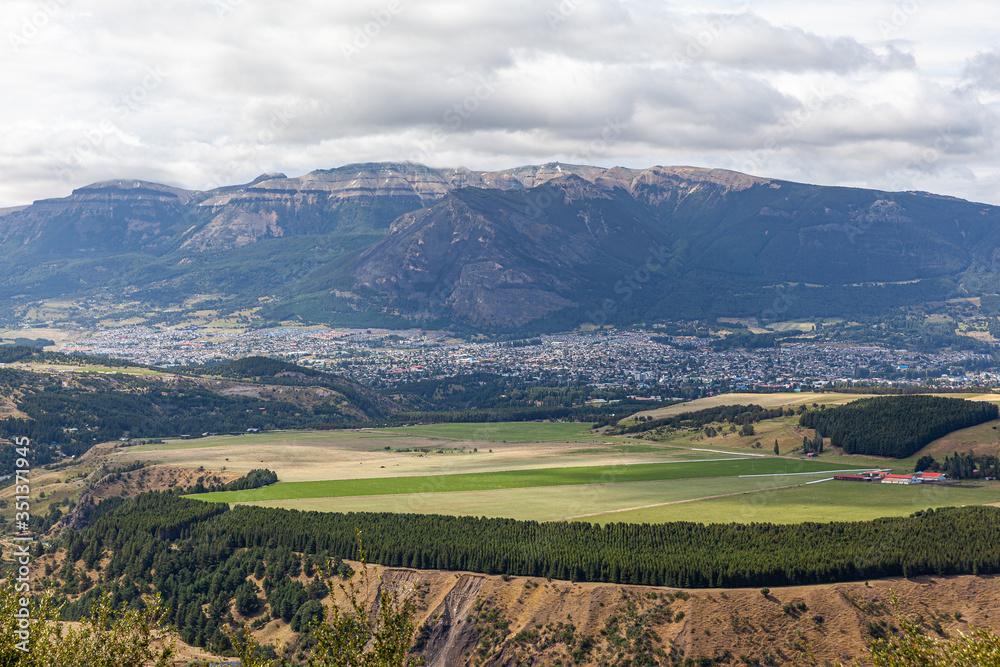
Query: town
(644, 360)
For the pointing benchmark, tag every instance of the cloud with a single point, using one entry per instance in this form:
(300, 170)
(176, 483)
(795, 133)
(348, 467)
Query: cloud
(983, 71)
(199, 93)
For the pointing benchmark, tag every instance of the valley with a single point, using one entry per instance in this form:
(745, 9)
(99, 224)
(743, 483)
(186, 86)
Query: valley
(533, 392)
(492, 334)
(636, 473)
(391, 245)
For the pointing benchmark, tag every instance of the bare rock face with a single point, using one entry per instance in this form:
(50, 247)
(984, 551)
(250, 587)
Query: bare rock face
(138, 215)
(497, 249)
(233, 228)
(110, 215)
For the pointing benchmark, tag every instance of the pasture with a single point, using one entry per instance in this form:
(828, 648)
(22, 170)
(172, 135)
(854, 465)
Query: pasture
(555, 471)
(981, 440)
(787, 399)
(498, 432)
(823, 502)
(301, 456)
(790, 399)
(550, 503)
(520, 479)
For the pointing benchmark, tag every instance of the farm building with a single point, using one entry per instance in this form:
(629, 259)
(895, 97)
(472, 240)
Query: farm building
(851, 478)
(901, 479)
(933, 476)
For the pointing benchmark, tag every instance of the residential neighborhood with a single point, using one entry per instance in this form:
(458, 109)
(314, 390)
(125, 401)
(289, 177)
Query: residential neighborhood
(640, 359)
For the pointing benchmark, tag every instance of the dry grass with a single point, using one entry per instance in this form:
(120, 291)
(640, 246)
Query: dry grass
(298, 456)
(981, 440)
(763, 400)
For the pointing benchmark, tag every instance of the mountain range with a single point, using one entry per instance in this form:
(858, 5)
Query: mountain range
(538, 247)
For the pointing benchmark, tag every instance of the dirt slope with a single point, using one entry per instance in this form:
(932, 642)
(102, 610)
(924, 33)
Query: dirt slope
(478, 620)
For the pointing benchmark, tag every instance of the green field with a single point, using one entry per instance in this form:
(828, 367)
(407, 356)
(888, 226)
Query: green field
(499, 431)
(549, 503)
(827, 501)
(521, 479)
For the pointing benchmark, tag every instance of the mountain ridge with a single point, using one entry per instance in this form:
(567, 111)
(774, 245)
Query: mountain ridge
(552, 245)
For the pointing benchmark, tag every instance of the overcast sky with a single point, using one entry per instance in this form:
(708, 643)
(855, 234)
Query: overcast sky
(200, 93)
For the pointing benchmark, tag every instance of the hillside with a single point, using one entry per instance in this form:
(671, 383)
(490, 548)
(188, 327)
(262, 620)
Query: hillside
(549, 246)
(896, 426)
(555, 621)
(67, 413)
(472, 619)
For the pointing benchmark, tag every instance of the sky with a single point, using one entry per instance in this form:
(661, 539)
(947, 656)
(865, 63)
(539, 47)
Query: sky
(203, 93)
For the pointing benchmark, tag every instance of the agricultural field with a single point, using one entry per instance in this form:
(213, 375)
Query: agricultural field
(58, 336)
(551, 503)
(89, 368)
(823, 502)
(521, 479)
(783, 429)
(559, 471)
(300, 456)
(499, 432)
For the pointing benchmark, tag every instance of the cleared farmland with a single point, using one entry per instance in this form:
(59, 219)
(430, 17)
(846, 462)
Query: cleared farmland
(499, 431)
(328, 455)
(828, 501)
(551, 503)
(523, 479)
(554, 471)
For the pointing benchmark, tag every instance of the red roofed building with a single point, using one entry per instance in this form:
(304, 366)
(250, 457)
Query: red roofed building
(900, 479)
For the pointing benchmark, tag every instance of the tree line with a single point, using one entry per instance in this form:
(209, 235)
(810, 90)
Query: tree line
(962, 466)
(950, 541)
(254, 479)
(734, 414)
(896, 426)
(210, 562)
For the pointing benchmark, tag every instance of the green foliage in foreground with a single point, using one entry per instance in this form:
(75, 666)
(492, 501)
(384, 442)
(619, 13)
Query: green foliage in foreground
(897, 426)
(912, 648)
(138, 636)
(521, 479)
(110, 636)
